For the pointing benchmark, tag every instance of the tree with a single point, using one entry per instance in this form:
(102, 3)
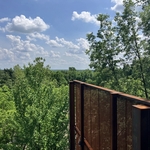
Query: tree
(104, 49)
(7, 123)
(6, 77)
(72, 73)
(59, 78)
(133, 46)
(118, 44)
(41, 108)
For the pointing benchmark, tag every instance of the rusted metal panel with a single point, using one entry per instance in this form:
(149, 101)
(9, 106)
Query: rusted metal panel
(129, 123)
(121, 124)
(113, 97)
(94, 112)
(87, 113)
(82, 116)
(72, 116)
(87, 145)
(104, 118)
(141, 127)
(78, 115)
(124, 122)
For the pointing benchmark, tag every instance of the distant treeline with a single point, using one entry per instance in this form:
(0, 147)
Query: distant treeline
(7, 76)
(127, 76)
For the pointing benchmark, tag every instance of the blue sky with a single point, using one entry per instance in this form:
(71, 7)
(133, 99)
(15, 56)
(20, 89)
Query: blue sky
(53, 29)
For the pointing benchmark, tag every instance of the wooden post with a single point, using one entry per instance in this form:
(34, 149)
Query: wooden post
(72, 115)
(114, 121)
(141, 127)
(82, 117)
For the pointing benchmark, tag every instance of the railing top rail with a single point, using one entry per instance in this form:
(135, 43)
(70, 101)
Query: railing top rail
(120, 94)
(95, 86)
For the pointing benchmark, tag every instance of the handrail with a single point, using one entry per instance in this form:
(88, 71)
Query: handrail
(120, 94)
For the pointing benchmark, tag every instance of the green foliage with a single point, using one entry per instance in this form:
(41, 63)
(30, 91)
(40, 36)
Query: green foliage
(104, 49)
(7, 110)
(39, 108)
(145, 17)
(34, 99)
(6, 77)
(128, 35)
(118, 50)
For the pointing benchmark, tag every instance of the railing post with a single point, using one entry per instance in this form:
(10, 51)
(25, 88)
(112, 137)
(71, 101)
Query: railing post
(141, 127)
(82, 117)
(114, 121)
(72, 115)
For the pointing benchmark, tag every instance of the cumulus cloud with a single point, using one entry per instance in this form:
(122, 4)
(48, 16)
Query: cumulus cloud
(6, 54)
(26, 25)
(78, 59)
(59, 42)
(118, 5)
(24, 49)
(68, 54)
(2, 29)
(54, 43)
(67, 44)
(4, 19)
(42, 52)
(85, 16)
(46, 38)
(54, 54)
(22, 45)
(83, 43)
(36, 35)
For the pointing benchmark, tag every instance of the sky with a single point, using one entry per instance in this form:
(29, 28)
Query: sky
(52, 29)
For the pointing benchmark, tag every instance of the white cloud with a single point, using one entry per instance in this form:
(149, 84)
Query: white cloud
(36, 35)
(42, 52)
(78, 60)
(83, 43)
(46, 38)
(54, 43)
(85, 16)
(54, 54)
(4, 19)
(6, 54)
(59, 42)
(22, 56)
(26, 25)
(68, 54)
(118, 5)
(22, 45)
(81, 46)
(67, 44)
(2, 29)
(24, 49)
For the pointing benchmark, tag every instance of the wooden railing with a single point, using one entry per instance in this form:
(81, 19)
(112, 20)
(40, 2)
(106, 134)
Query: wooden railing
(103, 119)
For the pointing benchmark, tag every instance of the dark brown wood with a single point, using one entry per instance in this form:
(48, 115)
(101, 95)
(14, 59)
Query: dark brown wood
(72, 116)
(85, 141)
(114, 121)
(120, 94)
(128, 125)
(141, 127)
(82, 117)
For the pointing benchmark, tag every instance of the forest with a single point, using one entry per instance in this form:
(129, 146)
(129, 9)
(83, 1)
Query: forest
(34, 100)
